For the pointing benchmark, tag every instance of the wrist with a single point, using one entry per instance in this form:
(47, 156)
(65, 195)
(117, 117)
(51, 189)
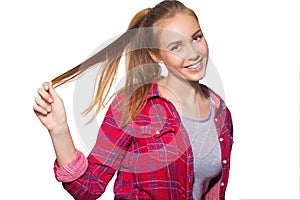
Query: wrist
(61, 129)
(63, 144)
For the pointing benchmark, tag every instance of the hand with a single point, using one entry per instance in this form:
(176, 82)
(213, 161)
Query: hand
(50, 109)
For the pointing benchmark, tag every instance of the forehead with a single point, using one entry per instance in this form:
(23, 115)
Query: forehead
(181, 25)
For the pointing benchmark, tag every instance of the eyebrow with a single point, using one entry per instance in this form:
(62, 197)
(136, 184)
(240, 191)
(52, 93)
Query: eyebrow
(179, 41)
(198, 31)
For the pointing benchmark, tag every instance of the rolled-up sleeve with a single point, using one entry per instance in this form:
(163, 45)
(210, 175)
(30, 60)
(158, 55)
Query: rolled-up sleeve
(73, 170)
(87, 178)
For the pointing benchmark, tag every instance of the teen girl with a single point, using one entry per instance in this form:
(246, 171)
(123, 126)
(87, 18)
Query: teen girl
(167, 137)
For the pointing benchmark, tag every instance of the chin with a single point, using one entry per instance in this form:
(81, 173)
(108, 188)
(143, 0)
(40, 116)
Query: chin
(195, 77)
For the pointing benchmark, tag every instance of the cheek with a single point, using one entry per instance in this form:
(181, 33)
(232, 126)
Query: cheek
(203, 46)
(172, 59)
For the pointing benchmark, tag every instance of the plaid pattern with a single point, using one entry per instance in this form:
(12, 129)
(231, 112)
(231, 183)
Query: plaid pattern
(152, 154)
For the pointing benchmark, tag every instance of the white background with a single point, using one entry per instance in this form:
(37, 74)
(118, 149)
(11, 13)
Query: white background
(254, 44)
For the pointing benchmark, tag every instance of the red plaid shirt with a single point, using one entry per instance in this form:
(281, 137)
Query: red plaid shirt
(152, 154)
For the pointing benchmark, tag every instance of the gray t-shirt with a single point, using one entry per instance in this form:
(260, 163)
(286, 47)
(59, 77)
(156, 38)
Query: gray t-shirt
(206, 150)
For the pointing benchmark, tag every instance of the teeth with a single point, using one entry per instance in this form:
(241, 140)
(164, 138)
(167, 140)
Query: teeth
(194, 66)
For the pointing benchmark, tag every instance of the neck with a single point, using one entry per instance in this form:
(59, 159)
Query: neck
(187, 91)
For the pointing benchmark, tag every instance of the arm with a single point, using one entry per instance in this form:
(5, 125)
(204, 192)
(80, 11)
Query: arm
(82, 178)
(106, 157)
(91, 185)
(50, 110)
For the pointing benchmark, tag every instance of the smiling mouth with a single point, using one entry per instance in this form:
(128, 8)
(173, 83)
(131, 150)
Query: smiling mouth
(195, 66)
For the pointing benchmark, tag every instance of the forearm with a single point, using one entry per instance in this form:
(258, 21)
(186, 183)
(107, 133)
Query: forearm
(92, 184)
(63, 145)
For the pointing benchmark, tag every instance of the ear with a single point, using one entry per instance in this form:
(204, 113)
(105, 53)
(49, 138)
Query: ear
(155, 55)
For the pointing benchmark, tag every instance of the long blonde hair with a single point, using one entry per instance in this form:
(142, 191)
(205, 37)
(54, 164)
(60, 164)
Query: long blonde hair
(135, 44)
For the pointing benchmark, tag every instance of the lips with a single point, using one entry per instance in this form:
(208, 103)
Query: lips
(195, 67)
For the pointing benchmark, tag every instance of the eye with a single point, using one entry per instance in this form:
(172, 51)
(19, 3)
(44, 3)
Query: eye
(197, 37)
(176, 47)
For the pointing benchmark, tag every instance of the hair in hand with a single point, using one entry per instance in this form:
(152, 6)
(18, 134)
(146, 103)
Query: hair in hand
(141, 69)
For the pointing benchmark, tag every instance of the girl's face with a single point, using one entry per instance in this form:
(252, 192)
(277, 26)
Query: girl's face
(183, 48)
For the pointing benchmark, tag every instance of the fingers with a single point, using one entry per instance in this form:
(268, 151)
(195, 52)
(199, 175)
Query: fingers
(52, 91)
(44, 93)
(43, 102)
(46, 85)
(39, 110)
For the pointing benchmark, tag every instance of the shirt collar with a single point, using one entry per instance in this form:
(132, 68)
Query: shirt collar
(153, 92)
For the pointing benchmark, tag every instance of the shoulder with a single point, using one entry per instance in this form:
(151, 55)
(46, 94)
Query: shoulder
(117, 99)
(217, 99)
(219, 103)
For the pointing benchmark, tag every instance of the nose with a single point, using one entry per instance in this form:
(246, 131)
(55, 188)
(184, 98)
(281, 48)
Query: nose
(192, 53)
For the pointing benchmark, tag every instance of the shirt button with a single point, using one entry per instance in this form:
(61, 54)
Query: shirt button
(216, 119)
(222, 184)
(224, 162)
(221, 139)
(157, 132)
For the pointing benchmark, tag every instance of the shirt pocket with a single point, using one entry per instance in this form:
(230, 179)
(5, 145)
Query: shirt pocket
(162, 146)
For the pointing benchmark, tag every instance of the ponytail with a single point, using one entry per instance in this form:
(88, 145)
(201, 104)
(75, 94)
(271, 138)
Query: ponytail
(110, 57)
(134, 43)
(141, 69)
(138, 19)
